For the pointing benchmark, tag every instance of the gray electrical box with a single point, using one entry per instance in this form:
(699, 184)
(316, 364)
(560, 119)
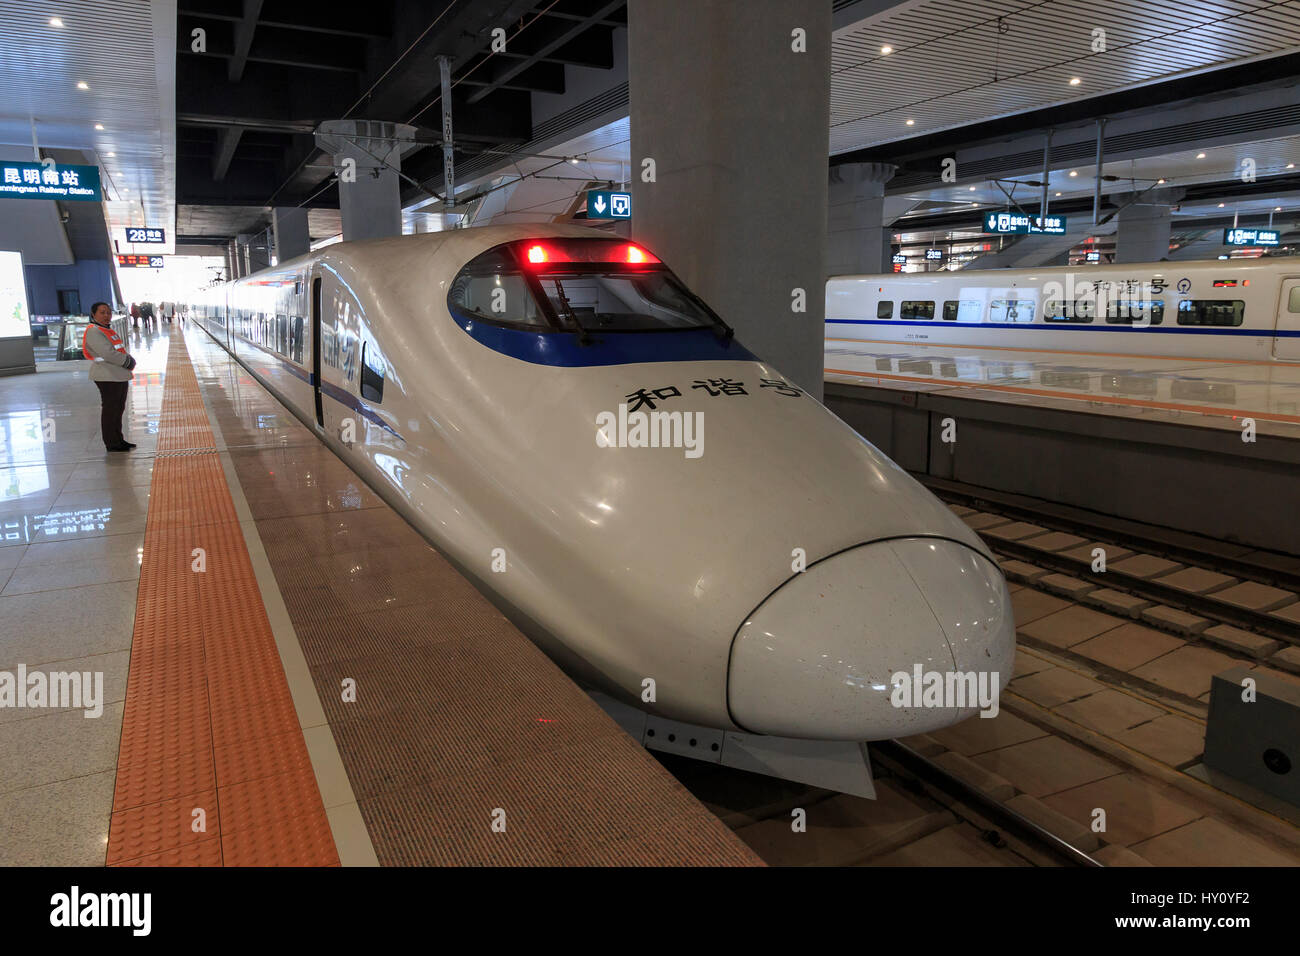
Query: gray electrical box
(1257, 742)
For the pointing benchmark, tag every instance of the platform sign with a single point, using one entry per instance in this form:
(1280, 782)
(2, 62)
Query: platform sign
(139, 235)
(933, 255)
(1093, 256)
(48, 180)
(605, 204)
(1251, 237)
(1006, 223)
(900, 259)
(140, 262)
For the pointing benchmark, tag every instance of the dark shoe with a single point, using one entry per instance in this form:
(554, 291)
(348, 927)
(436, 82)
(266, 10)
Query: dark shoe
(129, 445)
(122, 447)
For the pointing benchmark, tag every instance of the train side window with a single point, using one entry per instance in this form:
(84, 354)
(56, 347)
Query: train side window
(282, 334)
(885, 309)
(373, 370)
(1293, 301)
(915, 310)
(1011, 310)
(1134, 312)
(297, 339)
(963, 310)
(1211, 311)
(1079, 312)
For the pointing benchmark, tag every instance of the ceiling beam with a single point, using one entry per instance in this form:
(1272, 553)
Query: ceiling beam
(558, 39)
(244, 31)
(227, 143)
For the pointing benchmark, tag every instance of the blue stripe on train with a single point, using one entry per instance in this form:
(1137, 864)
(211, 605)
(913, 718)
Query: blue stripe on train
(1067, 327)
(610, 348)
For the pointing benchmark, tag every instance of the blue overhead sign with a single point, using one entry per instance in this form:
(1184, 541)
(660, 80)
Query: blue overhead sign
(145, 234)
(1004, 223)
(48, 180)
(1251, 237)
(605, 204)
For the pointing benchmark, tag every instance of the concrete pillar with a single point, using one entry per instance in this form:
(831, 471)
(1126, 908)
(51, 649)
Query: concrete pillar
(291, 237)
(1144, 226)
(234, 260)
(857, 241)
(367, 155)
(738, 203)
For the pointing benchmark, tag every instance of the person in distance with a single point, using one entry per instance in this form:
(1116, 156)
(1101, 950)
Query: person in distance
(110, 370)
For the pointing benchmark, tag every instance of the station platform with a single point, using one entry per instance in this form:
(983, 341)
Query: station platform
(1148, 438)
(290, 674)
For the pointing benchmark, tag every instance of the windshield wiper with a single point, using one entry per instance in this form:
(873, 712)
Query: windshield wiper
(583, 337)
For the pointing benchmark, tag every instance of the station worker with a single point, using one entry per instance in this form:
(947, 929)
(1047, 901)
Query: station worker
(110, 370)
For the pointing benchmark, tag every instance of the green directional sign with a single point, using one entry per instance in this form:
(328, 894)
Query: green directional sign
(607, 204)
(1005, 223)
(48, 180)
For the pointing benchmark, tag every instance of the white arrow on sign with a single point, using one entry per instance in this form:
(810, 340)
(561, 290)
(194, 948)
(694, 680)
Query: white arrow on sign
(600, 204)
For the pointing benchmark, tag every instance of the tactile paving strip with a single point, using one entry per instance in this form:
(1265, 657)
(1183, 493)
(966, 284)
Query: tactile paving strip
(212, 767)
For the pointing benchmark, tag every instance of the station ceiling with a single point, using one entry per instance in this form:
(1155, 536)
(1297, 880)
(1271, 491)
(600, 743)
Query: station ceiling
(274, 69)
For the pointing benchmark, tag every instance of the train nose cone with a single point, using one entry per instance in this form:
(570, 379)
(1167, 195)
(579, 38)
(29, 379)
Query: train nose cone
(819, 658)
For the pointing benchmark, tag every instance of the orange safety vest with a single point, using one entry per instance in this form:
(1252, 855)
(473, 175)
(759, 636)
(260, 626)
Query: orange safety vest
(113, 338)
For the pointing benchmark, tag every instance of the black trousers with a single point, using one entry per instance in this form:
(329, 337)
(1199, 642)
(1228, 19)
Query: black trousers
(113, 396)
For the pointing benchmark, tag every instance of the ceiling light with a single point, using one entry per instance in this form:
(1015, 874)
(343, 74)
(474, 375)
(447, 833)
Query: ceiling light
(99, 126)
(886, 49)
(1058, 194)
(1277, 208)
(83, 85)
(56, 22)
(1290, 165)
(1074, 172)
(911, 122)
(1220, 205)
(1075, 81)
(1160, 182)
(972, 189)
(112, 154)
(1200, 155)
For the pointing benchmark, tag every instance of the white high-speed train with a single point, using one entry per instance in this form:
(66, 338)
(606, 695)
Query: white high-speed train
(478, 365)
(1243, 308)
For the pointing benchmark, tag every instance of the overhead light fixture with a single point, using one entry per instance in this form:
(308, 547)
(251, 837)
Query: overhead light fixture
(1277, 208)
(886, 49)
(911, 122)
(1075, 81)
(1290, 165)
(1221, 205)
(99, 126)
(972, 189)
(112, 154)
(1058, 194)
(1160, 182)
(83, 85)
(56, 22)
(1074, 172)
(1200, 155)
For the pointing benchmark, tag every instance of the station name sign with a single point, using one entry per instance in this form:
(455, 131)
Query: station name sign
(142, 234)
(1251, 237)
(604, 204)
(140, 262)
(1005, 223)
(48, 180)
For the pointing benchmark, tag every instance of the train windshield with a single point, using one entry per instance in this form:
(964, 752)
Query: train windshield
(583, 285)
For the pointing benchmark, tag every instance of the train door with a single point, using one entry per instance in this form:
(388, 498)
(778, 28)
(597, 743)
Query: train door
(1286, 339)
(315, 349)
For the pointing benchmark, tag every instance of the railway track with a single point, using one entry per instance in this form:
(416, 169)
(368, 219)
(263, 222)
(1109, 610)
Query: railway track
(1274, 618)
